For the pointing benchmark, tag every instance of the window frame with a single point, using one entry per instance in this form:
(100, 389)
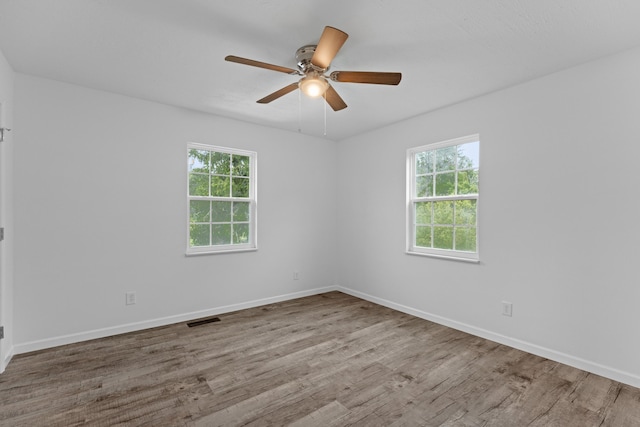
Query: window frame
(412, 199)
(252, 244)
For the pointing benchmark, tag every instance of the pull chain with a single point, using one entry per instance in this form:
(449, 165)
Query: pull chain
(324, 96)
(325, 113)
(299, 111)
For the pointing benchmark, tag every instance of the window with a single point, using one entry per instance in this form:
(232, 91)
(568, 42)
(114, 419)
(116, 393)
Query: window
(222, 199)
(442, 199)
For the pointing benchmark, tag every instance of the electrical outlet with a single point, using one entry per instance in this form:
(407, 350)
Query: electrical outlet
(507, 309)
(296, 275)
(130, 298)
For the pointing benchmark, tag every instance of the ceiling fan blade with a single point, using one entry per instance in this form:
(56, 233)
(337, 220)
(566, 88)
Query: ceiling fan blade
(334, 100)
(330, 43)
(259, 64)
(366, 77)
(277, 94)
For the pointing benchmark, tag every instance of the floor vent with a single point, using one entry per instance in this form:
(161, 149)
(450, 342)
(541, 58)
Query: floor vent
(203, 321)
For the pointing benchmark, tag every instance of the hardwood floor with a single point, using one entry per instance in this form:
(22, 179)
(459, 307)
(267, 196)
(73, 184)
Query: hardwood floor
(325, 360)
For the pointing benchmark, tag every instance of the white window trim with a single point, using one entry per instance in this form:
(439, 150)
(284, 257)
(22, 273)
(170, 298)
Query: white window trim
(411, 249)
(253, 200)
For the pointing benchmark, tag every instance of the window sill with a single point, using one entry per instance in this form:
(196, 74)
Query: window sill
(215, 252)
(447, 257)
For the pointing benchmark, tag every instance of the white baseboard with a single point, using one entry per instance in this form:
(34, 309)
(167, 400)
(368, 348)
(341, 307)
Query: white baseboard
(576, 362)
(137, 326)
(7, 358)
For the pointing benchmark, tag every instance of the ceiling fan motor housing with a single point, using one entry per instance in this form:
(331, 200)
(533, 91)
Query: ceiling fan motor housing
(303, 58)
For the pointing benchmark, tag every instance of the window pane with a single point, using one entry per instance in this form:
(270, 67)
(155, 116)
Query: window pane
(220, 211)
(466, 212)
(240, 187)
(443, 212)
(424, 162)
(198, 184)
(469, 155)
(221, 234)
(199, 234)
(220, 186)
(468, 182)
(240, 211)
(443, 237)
(199, 211)
(423, 236)
(220, 163)
(424, 186)
(445, 184)
(199, 161)
(240, 233)
(423, 213)
(466, 239)
(240, 165)
(445, 159)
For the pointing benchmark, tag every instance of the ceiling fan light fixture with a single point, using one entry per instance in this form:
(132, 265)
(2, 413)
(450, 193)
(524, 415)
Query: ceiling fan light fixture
(313, 64)
(313, 86)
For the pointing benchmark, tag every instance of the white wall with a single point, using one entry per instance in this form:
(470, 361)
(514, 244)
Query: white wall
(100, 209)
(6, 213)
(559, 227)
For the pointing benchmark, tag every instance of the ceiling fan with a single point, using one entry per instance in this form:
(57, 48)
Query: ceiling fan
(313, 63)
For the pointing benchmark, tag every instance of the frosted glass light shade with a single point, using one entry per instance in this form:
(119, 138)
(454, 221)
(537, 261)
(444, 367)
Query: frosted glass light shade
(313, 86)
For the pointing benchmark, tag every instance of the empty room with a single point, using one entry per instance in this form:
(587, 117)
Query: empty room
(354, 213)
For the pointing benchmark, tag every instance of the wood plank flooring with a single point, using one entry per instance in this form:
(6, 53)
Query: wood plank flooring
(325, 360)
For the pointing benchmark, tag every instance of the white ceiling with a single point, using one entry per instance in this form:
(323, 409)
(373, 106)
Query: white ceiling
(172, 51)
